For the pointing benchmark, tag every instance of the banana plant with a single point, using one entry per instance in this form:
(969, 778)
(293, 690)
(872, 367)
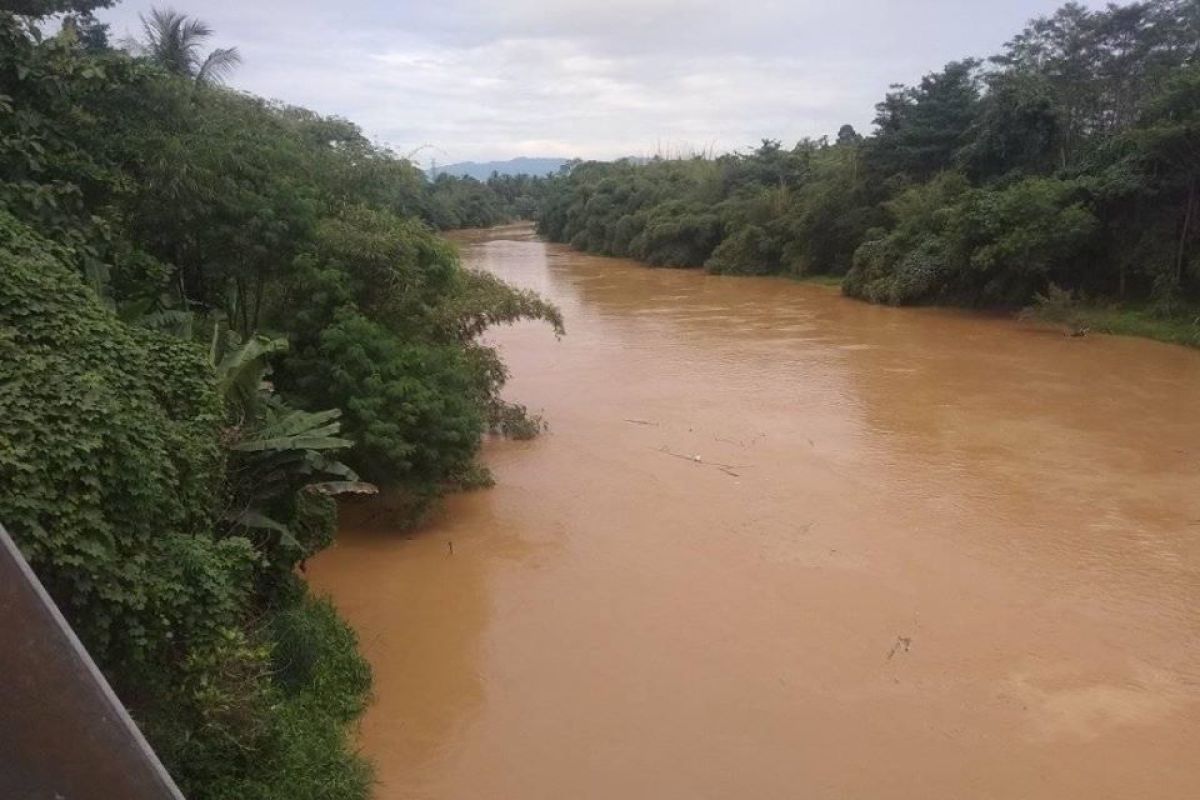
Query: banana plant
(289, 451)
(242, 368)
(276, 451)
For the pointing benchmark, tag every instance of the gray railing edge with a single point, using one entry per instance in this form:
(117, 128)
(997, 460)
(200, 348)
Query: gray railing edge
(99, 687)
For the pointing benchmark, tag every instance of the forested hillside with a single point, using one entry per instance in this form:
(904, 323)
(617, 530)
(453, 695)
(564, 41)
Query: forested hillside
(217, 314)
(482, 170)
(1065, 166)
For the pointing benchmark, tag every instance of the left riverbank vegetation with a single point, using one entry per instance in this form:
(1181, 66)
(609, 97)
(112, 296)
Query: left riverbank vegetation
(1062, 173)
(217, 315)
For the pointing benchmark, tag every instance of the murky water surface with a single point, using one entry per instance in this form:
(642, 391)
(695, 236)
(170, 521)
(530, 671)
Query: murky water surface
(921, 554)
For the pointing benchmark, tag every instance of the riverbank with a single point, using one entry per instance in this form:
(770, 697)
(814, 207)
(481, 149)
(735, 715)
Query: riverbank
(1179, 328)
(1114, 319)
(832, 281)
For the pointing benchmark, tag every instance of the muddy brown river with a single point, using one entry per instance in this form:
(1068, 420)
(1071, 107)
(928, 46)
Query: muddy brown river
(781, 544)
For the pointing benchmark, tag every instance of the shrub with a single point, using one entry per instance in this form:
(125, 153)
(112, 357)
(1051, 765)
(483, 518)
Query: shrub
(412, 409)
(322, 685)
(749, 251)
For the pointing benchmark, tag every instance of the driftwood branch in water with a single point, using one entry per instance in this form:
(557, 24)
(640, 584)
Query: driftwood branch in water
(728, 469)
(902, 645)
(742, 443)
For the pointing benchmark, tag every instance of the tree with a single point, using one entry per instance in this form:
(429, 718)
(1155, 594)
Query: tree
(46, 8)
(846, 135)
(920, 128)
(1167, 149)
(173, 41)
(1018, 128)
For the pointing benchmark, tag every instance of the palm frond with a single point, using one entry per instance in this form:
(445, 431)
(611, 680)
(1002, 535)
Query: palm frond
(173, 41)
(219, 65)
(192, 30)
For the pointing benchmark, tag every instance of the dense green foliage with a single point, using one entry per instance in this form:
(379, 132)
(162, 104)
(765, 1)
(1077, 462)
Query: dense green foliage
(114, 477)
(1069, 159)
(217, 312)
(111, 461)
(464, 202)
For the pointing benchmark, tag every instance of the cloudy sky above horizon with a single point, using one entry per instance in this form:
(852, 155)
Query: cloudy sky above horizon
(475, 80)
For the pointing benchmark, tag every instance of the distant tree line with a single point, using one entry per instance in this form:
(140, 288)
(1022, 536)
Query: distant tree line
(463, 202)
(1069, 163)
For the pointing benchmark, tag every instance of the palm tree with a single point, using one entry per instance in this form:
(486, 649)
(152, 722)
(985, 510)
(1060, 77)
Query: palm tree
(173, 41)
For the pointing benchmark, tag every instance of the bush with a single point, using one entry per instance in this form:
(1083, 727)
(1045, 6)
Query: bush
(1021, 237)
(322, 685)
(749, 251)
(412, 409)
(676, 236)
(995, 246)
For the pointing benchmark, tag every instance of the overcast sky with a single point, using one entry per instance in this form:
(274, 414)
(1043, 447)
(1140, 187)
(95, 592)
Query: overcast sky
(592, 78)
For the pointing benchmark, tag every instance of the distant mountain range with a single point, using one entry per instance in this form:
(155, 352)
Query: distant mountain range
(482, 170)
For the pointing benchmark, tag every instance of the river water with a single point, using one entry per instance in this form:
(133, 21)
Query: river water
(781, 544)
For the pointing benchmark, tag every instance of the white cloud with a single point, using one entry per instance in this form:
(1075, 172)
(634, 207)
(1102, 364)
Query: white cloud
(480, 80)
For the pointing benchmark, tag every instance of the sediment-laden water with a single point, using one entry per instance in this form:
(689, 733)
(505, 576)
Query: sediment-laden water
(780, 544)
